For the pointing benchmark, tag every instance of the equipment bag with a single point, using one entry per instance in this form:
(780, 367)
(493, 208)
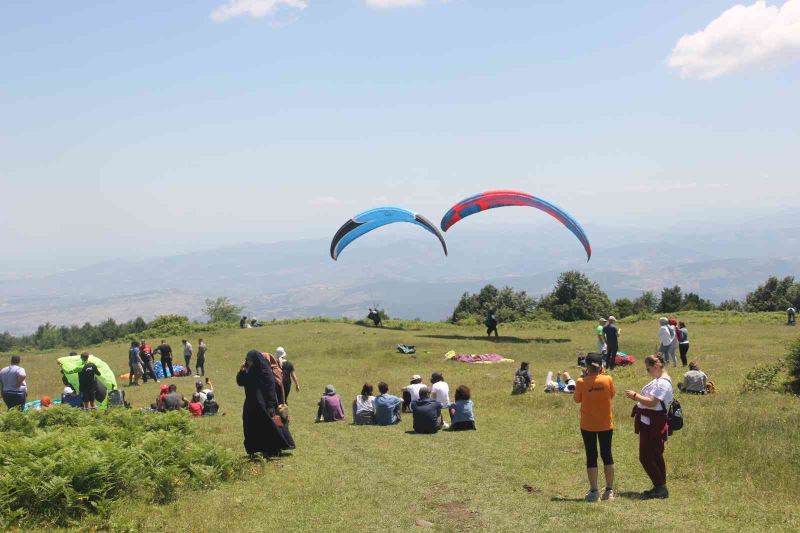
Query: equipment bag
(674, 415)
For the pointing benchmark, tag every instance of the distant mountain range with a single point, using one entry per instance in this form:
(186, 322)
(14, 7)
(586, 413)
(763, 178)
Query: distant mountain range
(406, 273)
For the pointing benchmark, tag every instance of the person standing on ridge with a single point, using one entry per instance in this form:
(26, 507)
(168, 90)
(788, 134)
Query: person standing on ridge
(611, 334)
(187, 356)
(12, 381)
(166, 358)
(491, 323)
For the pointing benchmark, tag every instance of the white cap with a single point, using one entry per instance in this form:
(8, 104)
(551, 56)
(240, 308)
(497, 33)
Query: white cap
(280, 352)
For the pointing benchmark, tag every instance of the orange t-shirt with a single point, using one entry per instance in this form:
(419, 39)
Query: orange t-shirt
(594, 392)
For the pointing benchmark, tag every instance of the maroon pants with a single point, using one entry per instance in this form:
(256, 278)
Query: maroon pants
(651, 455)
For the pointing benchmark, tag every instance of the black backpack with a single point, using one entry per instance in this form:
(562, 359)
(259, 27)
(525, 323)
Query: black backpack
(674, 415)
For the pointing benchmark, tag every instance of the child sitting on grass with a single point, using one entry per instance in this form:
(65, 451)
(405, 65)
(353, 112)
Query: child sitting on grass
(196, 406)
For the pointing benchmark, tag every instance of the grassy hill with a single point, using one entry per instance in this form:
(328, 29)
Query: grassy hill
(735, 466)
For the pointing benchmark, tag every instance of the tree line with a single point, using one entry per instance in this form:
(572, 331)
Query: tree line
(576, 297)
(220, 312)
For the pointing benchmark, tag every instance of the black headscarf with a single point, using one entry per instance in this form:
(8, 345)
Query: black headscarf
(260, 373)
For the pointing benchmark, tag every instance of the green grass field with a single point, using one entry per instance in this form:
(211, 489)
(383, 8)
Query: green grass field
(734, 467)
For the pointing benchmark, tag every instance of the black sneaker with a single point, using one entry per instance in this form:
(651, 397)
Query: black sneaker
(659, 493)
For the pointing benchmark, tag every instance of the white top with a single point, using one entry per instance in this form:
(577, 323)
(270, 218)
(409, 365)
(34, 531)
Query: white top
(660, 388)
(414, 390)
(665, 335)
(440, 391)
(187, 349)
(9, 377)
(365, 406)
(569, 386)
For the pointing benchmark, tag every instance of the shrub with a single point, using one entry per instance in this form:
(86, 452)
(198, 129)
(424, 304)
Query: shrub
(763, 377)
(793, 363)
(58, 465)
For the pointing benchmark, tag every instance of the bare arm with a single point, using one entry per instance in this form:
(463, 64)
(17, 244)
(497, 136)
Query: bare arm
(294, 378)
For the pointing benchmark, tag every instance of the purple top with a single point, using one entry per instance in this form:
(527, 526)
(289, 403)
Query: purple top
(331, 408)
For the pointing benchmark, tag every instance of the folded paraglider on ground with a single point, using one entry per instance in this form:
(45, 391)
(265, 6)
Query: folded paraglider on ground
(485, 358)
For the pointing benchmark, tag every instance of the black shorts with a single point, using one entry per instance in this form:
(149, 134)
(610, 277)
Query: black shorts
(88, 395)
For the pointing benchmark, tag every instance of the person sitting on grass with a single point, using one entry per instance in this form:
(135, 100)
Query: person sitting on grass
(330, 406)
(387, 407)
(411, 391)
(202, 390)
(210, 406)
(427, 413)
(173, 401)
(694, 381)
(69, 397)
(461, 416)
(364, 407)
(522, 379)
(195, 406)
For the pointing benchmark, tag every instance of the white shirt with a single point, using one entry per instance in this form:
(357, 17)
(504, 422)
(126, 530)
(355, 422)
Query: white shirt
(661, 389)
(9, 377)
(665, 335)
(365, 406)
(414, 390)
(440, 391)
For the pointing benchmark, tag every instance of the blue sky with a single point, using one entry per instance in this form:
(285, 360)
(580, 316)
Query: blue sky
(151, 127)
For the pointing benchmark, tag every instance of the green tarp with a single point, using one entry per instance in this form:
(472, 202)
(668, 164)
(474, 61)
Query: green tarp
(72, 364)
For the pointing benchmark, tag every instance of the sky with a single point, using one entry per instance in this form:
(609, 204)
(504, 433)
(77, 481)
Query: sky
(152, 127)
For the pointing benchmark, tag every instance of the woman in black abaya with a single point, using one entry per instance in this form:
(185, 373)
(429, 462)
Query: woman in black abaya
(261, 435)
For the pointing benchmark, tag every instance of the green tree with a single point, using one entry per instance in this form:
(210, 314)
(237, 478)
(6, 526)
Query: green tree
(6, 342)
(646, 303)
(671, 299)
(774, 295)
(693, 302)
(576, 297)
(624, 307)
(222, 310)
(509, 305)
(730, 305)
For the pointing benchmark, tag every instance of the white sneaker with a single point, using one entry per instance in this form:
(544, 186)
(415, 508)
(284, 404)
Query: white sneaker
(592, 496)
(608, 494)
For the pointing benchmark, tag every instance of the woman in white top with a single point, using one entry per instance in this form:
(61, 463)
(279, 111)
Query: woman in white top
(651, 408)
(665, 337)
(364, 406)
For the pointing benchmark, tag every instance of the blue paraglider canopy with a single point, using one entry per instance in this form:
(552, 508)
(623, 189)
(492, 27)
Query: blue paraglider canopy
(375, 218)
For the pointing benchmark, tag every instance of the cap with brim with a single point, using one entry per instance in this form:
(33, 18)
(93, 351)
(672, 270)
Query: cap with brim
(415, 377)
(594, 359)
(329, 389)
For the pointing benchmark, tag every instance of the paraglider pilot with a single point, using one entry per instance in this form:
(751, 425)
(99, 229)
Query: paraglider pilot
(375, 316)
(491, 323)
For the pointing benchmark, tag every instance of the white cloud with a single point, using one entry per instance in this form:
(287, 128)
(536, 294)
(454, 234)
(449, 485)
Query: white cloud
(388, 4)
(741, 37)
(253, 8)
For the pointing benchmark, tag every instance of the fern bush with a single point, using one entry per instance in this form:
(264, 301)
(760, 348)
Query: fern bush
(61, 464)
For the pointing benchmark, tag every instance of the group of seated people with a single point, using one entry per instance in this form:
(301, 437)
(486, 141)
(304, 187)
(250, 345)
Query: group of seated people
(251, 323)
(201, 404)
(425, 404)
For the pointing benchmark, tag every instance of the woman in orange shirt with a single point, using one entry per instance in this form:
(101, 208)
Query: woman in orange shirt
(594, 391)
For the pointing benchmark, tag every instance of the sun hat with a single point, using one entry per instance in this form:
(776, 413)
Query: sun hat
(280, 352)
(612, 319)
(415, 377)
(329, 390)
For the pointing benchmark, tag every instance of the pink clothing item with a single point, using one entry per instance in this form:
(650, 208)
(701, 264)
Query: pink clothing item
(331, 408)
